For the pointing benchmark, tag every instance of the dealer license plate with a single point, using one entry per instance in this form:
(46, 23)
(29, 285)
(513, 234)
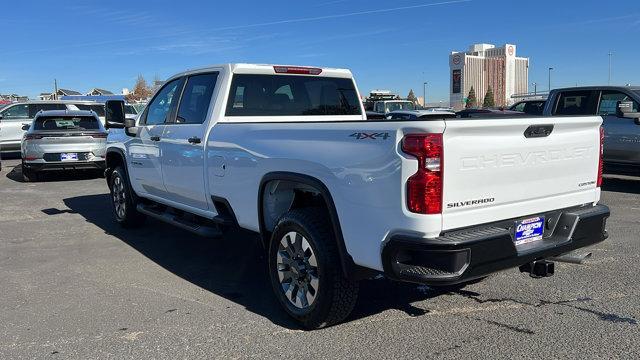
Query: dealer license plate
(529, 230)
(69, 156)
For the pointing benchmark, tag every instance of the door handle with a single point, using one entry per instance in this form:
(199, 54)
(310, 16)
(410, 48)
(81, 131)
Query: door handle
(194, 140)
(154, 138)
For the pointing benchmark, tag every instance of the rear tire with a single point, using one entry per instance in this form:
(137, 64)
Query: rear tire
(29, 175)
(305, 270)
(123, 200)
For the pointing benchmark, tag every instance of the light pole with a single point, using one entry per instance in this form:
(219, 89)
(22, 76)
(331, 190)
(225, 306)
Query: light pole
(610, 55)
(535, 88)
(424, 94)
(550, 78)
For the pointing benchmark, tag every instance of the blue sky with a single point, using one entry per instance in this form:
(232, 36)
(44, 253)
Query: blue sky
(394, 45)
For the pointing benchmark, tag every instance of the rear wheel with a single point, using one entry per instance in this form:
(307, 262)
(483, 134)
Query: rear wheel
(29, 175)
(124, 200)
(305, 270)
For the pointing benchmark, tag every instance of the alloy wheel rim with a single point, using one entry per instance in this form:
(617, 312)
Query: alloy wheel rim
(119, 197)
(297, 270)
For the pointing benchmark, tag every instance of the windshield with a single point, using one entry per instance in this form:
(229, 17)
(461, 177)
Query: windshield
(57, 123)
(399, 106)
(97, 108)
(130, 110)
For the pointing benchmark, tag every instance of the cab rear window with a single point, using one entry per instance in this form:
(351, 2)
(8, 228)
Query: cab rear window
(290, 95)
(58, 123)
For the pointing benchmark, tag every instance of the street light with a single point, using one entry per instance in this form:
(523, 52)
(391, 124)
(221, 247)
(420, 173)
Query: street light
(424, 94)
(535, 88)
(550, 78)
(610, 55)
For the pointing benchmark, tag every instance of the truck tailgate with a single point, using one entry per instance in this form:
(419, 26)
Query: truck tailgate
(493, 172)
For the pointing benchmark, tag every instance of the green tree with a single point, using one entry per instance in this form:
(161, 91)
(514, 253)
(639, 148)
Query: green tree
(472, 101)
(412, 97)
(489, 101)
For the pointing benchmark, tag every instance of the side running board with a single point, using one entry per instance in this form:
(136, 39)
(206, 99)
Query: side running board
(165, 215)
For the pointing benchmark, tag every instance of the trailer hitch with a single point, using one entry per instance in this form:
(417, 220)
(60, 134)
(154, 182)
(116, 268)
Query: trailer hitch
(538, 269)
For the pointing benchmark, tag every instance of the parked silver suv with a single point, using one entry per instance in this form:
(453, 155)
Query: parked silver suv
(14, 116)
(63, 140)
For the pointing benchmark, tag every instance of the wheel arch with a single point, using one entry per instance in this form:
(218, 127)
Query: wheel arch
(349, 268)
(113, 158)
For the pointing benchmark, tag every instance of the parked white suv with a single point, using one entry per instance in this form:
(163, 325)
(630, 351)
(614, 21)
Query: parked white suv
(287, 152)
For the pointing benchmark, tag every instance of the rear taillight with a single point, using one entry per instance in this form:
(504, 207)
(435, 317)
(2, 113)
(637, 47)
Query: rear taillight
(32, 137)
(297, 70)
(424, 188)
(600, 161)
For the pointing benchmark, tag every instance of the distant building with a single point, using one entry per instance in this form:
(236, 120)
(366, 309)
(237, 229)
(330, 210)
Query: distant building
(13, 98)
(46, 96)
(65, 92)
(99, 92)
(484, 66)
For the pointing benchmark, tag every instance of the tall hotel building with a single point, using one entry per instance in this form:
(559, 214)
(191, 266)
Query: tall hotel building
(485, 65)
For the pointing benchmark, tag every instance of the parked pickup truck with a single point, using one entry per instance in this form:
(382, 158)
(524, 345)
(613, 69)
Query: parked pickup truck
(287, 152)
(619, 107)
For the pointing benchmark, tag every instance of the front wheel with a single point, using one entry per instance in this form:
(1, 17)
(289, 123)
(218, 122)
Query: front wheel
(124, 200)
(305, 270)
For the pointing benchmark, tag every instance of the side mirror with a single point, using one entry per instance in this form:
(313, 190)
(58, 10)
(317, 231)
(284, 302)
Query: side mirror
(25, 127)
(114, 114)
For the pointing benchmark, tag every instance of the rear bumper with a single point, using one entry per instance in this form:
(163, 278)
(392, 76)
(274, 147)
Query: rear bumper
(468, 254)
(76, 165)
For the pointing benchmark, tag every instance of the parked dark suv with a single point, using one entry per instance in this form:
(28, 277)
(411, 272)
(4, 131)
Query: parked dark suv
(621, 123)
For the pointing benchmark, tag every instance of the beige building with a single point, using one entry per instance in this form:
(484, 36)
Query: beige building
(484, 66)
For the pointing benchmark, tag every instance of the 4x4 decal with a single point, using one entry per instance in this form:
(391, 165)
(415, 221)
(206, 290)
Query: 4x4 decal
(372, 136)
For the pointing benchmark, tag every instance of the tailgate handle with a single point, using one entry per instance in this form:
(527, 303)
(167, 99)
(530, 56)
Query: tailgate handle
(536, 131)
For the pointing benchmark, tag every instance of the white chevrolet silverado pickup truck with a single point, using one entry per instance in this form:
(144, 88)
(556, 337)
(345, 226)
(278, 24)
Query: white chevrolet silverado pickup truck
(287, 152)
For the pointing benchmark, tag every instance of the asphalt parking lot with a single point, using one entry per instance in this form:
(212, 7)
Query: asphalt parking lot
(75, 285)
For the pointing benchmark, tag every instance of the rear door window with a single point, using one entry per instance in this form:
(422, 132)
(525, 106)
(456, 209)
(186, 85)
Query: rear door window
(196, 97)
(519, 107)
(291, 95)
(533, 108)
(58, 123)
(20, 111)
(35, 108)
(609, 101)
(579, 102)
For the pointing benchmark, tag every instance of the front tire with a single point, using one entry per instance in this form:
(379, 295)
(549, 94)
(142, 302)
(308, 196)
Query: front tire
(124, 200)
(305, 270)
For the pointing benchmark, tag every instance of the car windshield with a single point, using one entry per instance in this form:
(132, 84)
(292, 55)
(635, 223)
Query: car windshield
(130, 110)
(399, 106)
(57, 123)
(97, 108)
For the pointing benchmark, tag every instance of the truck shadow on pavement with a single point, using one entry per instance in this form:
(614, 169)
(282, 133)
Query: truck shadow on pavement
(234, 266)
